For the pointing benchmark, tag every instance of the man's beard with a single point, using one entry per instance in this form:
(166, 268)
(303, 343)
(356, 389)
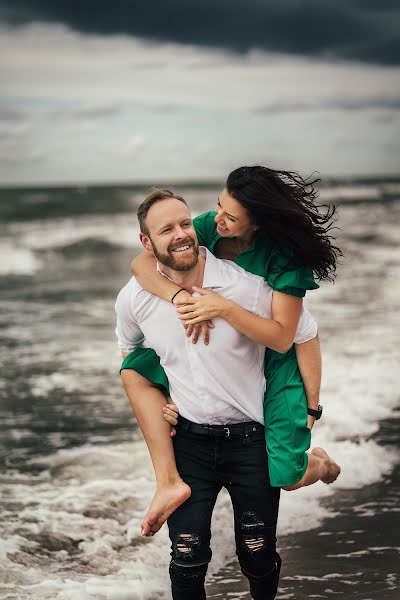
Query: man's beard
(176, 260)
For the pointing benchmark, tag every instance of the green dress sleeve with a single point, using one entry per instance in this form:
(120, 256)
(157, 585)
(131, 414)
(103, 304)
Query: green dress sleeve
(204, 226)
(281, 278)
(147, 363)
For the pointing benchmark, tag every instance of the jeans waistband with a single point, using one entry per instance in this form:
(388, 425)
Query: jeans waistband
(224, 431)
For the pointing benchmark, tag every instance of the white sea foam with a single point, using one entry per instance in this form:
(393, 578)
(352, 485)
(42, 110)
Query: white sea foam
(17, 260)
(97, 495)
(45, 384)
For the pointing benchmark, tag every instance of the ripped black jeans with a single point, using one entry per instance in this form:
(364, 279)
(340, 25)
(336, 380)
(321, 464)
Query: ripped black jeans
(240, 464)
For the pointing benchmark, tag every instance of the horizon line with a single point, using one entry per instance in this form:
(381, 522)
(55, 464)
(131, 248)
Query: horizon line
(178, 182)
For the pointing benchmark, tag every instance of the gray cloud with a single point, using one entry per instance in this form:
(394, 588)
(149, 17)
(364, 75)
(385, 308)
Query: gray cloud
(89, 112)
(12, 115)
(386, 104)
(148, 65)
(14, 153)
(14, 123)
(361, 30)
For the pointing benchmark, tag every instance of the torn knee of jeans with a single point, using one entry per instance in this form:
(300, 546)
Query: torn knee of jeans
(186, 544)
(253, 532)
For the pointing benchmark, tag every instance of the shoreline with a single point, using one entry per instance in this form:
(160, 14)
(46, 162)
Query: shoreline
(355, 553)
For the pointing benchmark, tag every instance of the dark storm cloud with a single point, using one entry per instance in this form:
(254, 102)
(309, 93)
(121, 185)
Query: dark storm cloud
(335, 29)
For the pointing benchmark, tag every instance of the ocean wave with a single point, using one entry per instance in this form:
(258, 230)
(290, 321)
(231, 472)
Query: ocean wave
(92, 246)
(120, 231)
(356, 193)
(49, 203)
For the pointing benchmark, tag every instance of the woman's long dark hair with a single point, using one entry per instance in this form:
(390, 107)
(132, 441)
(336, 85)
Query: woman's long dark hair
(283, 205)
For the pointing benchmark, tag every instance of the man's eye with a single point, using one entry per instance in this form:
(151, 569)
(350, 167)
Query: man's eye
(233, 220)
(188, 224)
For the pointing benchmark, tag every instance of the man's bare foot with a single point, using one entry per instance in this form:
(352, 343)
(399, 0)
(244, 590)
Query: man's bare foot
(165, 501)
(332, 469)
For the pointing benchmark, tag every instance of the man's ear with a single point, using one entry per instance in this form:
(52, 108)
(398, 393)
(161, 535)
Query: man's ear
(145, 239)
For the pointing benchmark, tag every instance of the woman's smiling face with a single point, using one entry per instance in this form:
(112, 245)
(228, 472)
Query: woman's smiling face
(232, 219)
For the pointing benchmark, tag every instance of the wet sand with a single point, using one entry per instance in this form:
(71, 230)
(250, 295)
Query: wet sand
(355, 554)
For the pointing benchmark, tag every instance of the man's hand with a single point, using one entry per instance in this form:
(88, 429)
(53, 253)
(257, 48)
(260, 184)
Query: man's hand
(195, 330)
(171, 414)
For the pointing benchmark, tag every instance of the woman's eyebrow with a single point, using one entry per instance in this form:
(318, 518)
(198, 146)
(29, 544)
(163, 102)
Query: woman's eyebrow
(229, 215)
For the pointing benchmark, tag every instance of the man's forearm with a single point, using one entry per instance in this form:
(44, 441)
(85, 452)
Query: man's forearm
(310, 365)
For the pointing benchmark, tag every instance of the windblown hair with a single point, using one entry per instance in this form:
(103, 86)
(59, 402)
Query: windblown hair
(155, 196)
(283, 205)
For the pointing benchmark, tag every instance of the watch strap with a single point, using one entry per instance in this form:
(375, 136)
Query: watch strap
(315, 412)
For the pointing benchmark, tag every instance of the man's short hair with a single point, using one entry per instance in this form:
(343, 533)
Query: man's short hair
(156, 196)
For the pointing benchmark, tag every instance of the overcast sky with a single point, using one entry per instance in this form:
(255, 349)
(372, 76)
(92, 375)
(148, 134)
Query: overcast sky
(188, 89)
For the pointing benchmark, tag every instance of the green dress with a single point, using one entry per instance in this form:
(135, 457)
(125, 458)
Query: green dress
(285, 404)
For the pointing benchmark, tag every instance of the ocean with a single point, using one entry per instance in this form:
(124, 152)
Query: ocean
(75, 475)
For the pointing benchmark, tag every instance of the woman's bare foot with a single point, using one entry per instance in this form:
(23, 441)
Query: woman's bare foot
(332, 469)
(166, 499)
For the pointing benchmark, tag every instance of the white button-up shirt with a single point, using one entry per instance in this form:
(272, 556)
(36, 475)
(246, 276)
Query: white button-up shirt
(220, 383)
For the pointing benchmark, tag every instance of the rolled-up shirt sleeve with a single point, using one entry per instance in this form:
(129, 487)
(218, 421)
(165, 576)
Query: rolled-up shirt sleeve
(307, 328)
(128, 332)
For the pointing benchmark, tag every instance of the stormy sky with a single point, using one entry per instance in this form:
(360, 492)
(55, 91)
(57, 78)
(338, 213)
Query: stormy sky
(125, 91)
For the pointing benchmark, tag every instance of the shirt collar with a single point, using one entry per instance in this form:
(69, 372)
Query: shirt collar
(212, 277)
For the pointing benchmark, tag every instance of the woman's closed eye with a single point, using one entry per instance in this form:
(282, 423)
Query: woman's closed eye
(233, 219)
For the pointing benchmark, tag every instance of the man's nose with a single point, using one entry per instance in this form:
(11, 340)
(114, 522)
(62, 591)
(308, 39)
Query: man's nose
(179, 233)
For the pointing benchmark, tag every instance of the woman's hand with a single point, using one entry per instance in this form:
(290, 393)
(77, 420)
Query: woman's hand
(193, 330)
(171, 414)
(205, 307)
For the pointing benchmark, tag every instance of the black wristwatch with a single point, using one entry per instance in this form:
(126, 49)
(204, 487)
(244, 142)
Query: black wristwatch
(315, 412)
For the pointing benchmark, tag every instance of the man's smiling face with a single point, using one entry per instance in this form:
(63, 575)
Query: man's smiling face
(171, 235)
